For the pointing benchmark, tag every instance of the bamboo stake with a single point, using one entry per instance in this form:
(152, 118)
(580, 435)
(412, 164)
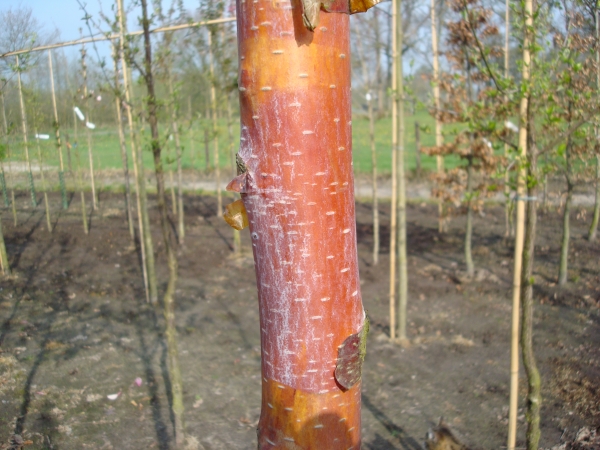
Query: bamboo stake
(61, 173)
(439, 138)
(25, 142)
(519, 234)
(213, 103)
(394, 211)
(88, 132)
(402, 255)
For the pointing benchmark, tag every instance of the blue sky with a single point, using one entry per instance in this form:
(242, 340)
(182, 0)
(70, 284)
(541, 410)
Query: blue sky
(66, 15)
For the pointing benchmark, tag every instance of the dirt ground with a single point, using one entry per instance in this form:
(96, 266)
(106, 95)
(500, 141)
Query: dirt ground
(74, 329)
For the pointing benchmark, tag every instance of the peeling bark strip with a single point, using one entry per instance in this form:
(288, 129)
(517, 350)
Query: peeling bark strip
(297, 185)
(311, 9)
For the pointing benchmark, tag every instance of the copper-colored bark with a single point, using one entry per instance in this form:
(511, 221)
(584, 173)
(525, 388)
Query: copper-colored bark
(297, 186)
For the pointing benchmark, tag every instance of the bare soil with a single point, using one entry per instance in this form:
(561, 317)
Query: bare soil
(75, 328)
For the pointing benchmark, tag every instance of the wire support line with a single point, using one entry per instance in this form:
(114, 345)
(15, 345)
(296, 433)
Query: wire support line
(110, 37)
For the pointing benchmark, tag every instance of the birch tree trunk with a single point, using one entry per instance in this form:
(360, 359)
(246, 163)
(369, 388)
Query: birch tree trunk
(296, 181)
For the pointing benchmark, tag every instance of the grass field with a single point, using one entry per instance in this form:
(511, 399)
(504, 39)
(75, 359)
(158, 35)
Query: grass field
(105, 146)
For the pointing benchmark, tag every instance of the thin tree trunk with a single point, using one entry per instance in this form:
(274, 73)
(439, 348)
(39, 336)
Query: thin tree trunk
(178, 155)
(5, 132)
(88, 133)
(237, 238)
(25, 141)
(402, 253)
(173, 196)
(566, 236)
(122, 143)
(168, 299)
(469, 232)
(507, 204)
(596, 217)
(213, 103)
(368, 81)
(439, 138)
(191, 135)
(520, 231)
(6, 200)
(4, 264)
(44, 187)
(418, 148)
(79, 170)
(206, 150)
(61, 173)
(534, 398)
(146, 245)
(3, 186)
(302, 226)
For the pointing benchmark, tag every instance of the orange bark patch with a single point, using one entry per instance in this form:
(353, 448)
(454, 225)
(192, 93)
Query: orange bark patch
(294, 419)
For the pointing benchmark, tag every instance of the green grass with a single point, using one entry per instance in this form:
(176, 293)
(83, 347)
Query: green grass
(105, 146)
(383, 143)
